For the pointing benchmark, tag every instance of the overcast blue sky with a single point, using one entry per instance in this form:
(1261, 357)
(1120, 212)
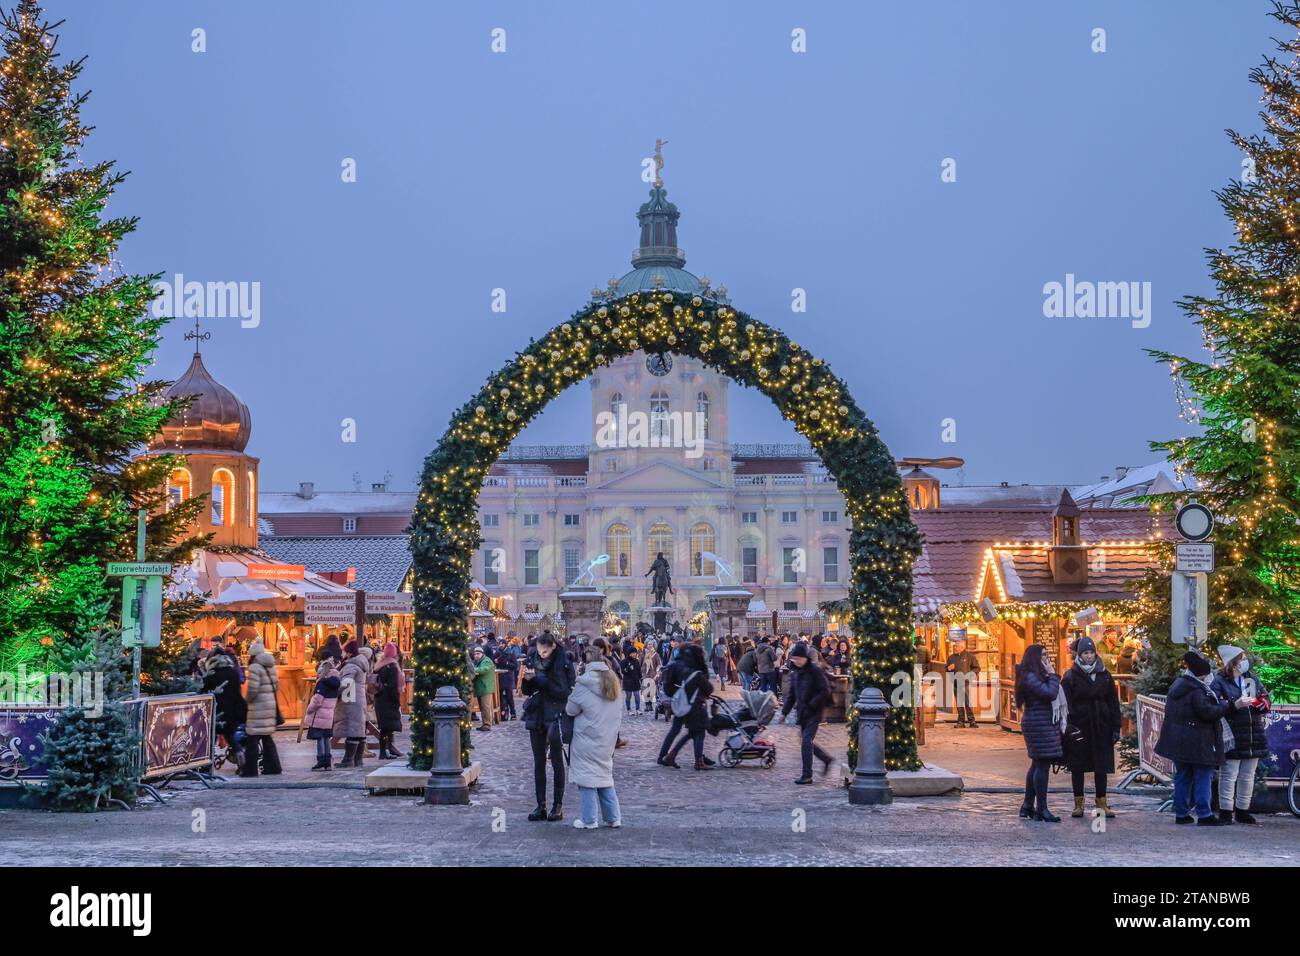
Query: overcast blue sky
(818, 170)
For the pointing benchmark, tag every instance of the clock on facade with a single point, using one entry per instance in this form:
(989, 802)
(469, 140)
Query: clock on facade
(661, 363)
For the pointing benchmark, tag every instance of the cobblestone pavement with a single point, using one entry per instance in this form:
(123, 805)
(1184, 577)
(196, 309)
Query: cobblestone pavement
(745, 815)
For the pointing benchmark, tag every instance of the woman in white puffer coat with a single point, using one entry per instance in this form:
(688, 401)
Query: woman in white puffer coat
(594, 705)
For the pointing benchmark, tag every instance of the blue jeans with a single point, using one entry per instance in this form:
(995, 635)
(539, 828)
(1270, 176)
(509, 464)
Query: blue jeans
(746, 680)
(1192, 785)
(609, 811)
(632, 695)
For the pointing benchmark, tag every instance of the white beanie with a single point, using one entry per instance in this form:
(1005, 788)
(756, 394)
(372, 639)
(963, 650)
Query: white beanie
(1228, 653)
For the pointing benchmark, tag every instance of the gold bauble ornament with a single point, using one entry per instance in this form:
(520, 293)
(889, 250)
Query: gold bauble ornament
(602, 312)
(634, 345)
(796, 388)
(785, 370)
(696, 301)
(566, 328)
(504, 393)
(843, 409)
(540, 389)
(672, 339)
(762, 373)
(600, 358)
(485, 436)
(705, 326)
(625, 311)
(511, 415)
(794, 346)
(568, 370)
(744, 355)
(751, 328)
(725, 340)
(480, 411)
(814, 414)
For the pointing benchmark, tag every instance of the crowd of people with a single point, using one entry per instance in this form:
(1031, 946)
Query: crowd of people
(577, 692)
(354, 695)
(1213, 724)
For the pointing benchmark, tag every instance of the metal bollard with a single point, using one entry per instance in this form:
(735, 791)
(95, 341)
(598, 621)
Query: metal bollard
(870, 786)
(447, 784)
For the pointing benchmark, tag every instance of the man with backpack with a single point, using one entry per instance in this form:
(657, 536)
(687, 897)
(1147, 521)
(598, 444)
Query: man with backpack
(686, 684)
(765, 666)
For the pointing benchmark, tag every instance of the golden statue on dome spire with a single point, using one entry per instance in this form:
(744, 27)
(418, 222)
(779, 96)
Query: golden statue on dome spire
(659, 162)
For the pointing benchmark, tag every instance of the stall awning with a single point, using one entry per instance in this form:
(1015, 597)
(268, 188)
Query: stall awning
(229, 584)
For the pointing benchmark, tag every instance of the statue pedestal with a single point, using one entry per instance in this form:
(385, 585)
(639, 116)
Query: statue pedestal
(583, 612)
(660, 615)
(727, 608)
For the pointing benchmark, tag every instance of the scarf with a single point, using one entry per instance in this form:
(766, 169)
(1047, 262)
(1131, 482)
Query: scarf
(1090, 669)
(1060, 710)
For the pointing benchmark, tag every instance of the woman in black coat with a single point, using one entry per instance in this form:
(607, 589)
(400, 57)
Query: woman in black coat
(1190, 736)
(631, 678)
(548, 681)
(1037, 686)
(1092, 708)
(691, 671)
(221, 679)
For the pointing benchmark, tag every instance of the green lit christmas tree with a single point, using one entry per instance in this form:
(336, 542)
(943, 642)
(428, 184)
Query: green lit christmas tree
(1245, 396)
(75, 340)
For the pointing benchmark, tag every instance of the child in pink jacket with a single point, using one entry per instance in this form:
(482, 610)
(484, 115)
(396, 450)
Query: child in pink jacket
(319, 718)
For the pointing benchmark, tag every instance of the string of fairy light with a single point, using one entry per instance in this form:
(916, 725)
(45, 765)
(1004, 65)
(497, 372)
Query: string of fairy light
(445, 531)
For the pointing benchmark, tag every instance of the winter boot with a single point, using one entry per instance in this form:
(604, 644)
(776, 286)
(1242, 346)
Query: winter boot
(1225, 817)
(557, 812)
(1244, 816)
(539, 813)
(384, 753)
(361, 753)
(349, 756)
(1103, 804)
(1078, 807)
(393, 749)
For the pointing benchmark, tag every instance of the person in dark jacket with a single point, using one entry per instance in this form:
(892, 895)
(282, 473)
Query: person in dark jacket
(1191, 737)
(1246, 724)
(331, 649)
(964, 665)
(389, 683)
(507, 664)
(221, 679)
(1037, 690)
(548, 680)
(721, 660)
(690, 670)
(632, 677)
(810, 693)
(1092, 707)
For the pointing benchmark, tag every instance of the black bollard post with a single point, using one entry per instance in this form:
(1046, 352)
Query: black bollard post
(447, 784)
(870, 786)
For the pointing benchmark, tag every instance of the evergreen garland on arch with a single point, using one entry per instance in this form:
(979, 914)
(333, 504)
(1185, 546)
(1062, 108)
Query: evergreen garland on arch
(444, 533)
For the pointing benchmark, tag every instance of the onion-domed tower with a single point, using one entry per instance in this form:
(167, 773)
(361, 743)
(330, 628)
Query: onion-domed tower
(212, 434)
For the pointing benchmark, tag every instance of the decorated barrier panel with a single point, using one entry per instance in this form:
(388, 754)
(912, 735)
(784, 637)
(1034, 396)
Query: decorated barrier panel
(21, 749)
(1281, 732)
(176, 732)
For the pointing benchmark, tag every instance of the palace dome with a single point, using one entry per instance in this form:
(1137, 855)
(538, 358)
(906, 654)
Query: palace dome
(215, 420)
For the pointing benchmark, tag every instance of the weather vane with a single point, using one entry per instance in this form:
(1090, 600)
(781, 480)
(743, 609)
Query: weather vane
(197, 336)
(659, 161)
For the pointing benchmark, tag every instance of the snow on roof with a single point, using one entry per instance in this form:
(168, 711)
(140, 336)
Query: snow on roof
(336, 502)
(1155, 477)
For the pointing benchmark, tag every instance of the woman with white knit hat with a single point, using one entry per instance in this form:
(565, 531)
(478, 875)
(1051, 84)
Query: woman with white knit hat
(1245, 726)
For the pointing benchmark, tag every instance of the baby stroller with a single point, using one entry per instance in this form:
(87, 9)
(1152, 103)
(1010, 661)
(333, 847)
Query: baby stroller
(743, 727)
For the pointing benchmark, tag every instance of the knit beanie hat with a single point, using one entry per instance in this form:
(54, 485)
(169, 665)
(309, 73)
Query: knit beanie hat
(1228, 653)
(800, 650)
(1084, 644)
(1197, 664)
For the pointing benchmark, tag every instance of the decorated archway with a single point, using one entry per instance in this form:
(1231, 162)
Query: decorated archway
(882, 546)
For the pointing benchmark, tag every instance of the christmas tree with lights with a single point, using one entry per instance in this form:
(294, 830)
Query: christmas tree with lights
(1245, 396)
(75, 339)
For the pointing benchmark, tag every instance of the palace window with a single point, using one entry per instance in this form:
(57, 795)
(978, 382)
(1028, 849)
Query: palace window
(223, 498)
(749, 565)
(789, 569)
(532, 566)
(618, 545)
(532, 520)
(702, 539)
(622, 610)
(659, 416)
(349, 525)
(572, 521)
(830, 517)
(616, 405)
(831, 565)
(179, 486)
(252, 498)
(702, 406)
(491, 521)
(749, 517)
(659, 538)
(570, 564)
(789, 517)
(493, 561)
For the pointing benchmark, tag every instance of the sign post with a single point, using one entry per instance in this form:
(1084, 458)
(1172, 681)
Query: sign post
(1190, 583)
(141, 600)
